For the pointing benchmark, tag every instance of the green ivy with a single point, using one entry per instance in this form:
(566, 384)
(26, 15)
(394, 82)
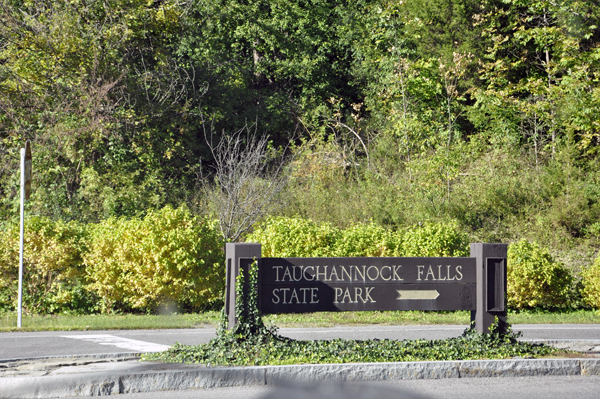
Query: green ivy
(276, 350)
(249, 321)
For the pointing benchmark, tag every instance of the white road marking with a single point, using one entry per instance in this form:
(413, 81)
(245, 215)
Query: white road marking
(125, 343)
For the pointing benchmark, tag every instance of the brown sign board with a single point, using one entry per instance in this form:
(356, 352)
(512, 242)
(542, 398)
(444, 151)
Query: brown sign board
(298, 285)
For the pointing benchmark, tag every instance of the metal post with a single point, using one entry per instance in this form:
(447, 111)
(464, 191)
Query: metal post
(234, 252)
(20, 300)
(491, 285)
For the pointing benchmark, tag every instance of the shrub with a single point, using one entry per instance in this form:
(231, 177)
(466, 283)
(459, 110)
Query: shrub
(535, 279)
(295, 237)
(590, 278)
(53, 271)
(435, 239)
(367, 240)
(166, 256)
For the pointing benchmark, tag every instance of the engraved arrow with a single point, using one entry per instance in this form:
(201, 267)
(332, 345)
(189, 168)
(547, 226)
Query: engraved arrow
(417, 294)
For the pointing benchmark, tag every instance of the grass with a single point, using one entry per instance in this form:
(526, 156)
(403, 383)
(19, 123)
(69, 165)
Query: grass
(329, 319)
(547, 317)
(8, 321)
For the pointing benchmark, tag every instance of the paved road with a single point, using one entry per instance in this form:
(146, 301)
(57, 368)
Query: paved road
(55, 343)
(561, 387)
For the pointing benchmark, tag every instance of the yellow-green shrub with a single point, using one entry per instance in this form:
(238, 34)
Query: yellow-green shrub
(435, 239)
(535, 279)
(590, 277)
(294, 237)
(367, 240)
(166, 256)
(53, 270)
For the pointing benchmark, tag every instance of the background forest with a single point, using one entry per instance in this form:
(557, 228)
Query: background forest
(480, 113)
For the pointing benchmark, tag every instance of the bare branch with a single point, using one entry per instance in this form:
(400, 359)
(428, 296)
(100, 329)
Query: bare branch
(248, 179)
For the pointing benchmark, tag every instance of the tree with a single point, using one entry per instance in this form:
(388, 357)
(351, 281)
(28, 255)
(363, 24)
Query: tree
(249, 177)
(101, 92)
(540, 61)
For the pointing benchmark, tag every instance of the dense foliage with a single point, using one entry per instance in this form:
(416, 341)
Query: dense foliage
(535, 279)
(482, 113)
(435, 240)
(169, 257)
(591, 284)
(297, 237)
(54, 274)
(367, 239)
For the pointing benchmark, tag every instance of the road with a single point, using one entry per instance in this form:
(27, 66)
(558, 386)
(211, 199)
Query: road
(56, 343)
(558, 387)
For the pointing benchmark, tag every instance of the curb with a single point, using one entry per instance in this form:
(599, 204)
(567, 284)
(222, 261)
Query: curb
(134, 376)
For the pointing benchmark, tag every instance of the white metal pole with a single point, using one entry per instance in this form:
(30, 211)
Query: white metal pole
(22, 235)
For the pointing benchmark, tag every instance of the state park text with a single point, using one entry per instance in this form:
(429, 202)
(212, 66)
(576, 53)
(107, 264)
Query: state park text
(318, 284)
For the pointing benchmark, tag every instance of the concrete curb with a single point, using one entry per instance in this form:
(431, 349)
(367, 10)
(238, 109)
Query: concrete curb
(134, 376)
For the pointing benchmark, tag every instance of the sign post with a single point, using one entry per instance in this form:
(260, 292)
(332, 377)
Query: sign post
(25, 192)
(491, 285)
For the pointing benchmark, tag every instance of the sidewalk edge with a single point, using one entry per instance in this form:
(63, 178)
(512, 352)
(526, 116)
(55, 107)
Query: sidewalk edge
(111, 383)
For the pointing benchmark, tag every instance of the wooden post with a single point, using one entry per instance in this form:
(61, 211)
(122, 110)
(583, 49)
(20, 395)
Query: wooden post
(235, 254)
(491, 285)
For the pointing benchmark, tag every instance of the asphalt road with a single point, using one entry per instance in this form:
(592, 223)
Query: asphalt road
(558, 387)
(57, 343)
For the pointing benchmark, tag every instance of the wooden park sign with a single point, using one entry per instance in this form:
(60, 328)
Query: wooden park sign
(299, 285)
